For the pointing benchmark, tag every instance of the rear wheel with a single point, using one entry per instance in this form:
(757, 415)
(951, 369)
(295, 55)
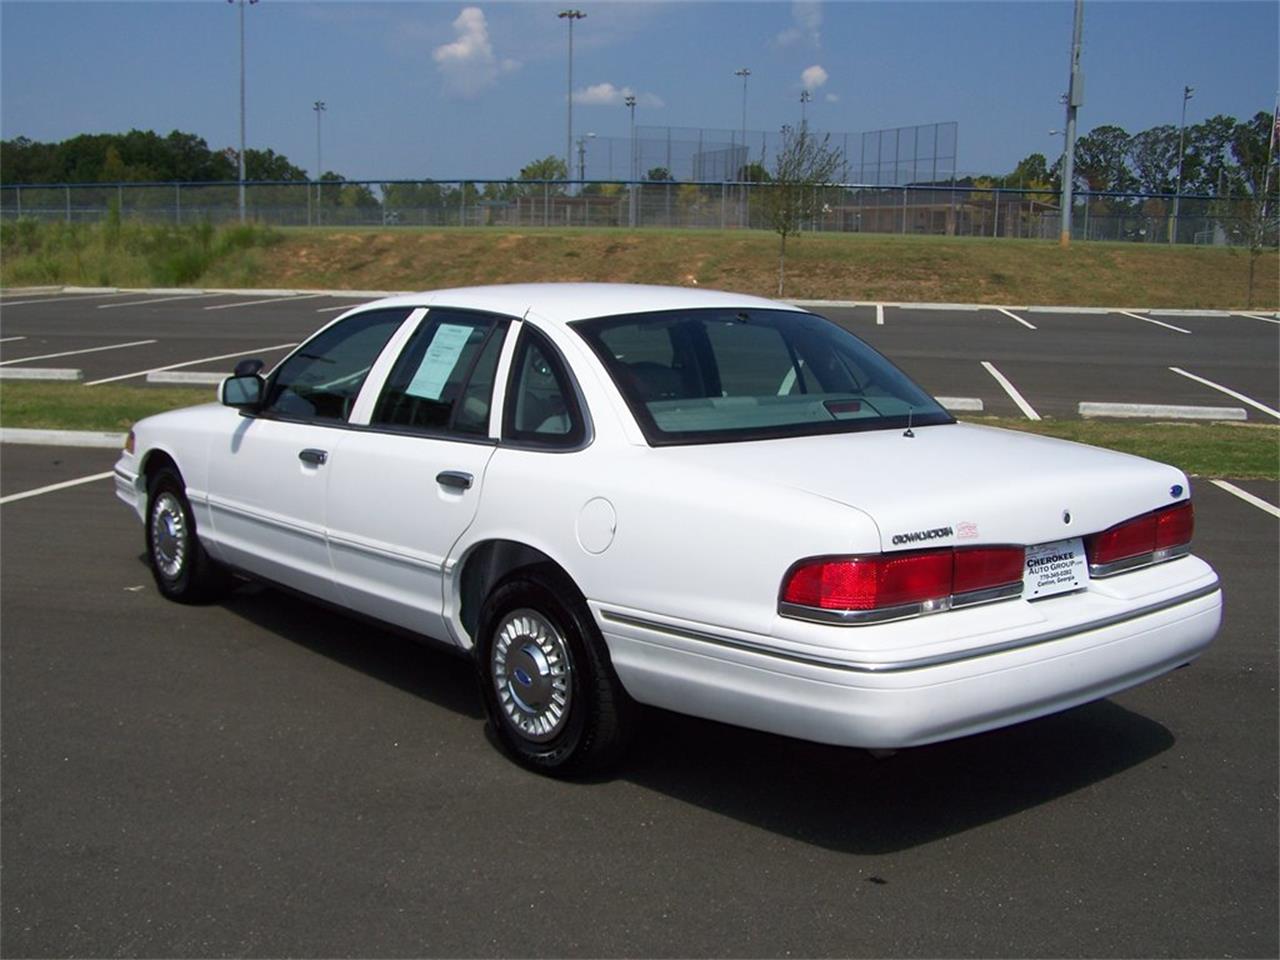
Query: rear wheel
(182, 569)
(551, 694)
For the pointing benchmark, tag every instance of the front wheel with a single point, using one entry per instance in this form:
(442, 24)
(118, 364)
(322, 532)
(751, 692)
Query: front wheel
(182, 569)
(551, 694)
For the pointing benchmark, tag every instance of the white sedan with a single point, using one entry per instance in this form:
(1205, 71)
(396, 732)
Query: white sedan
(614, 495)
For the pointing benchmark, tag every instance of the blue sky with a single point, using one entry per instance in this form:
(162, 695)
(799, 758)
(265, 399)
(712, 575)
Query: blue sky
(449, 90)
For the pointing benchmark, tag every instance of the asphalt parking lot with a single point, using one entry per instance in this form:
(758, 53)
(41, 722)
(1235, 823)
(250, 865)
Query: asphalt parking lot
(1051, 360)
(263, 777)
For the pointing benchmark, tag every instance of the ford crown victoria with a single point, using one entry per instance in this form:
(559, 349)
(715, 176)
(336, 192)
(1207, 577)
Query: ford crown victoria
(611, 496)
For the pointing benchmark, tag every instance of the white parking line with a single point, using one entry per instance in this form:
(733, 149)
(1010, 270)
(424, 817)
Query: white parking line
(1228, 391)
(1247, 497)
(55, 486)
(879, 314)
(9, 339)
(1254, 316)
(190, 363)
(142, 303)
(254, 303)
(1012, 391)
(81, 296)
(1158, 323)
(346, 306)
(71, 353)
(1029, 326)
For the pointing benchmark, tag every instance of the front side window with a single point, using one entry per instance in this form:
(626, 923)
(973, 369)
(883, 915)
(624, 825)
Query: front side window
(320, 381)
(700, 376)
(443, 379)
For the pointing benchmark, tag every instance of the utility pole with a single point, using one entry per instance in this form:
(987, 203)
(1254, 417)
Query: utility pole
(1187, 93)
(241, 4)
(1075, 97)
(570, 15)
(805, 97)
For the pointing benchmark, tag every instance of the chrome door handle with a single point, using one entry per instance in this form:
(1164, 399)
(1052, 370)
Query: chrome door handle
(455, 479)
(317, 457)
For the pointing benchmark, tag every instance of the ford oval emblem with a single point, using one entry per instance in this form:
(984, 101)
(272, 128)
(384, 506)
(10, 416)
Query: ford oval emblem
(1175, 491)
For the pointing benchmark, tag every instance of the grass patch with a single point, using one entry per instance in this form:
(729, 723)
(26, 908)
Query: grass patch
(1243, 451)
(853, 266)
(115, 253)
(62, 406)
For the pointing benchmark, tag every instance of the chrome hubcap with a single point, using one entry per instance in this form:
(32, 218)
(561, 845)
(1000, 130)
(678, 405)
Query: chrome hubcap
(531, 670)
(168, 535)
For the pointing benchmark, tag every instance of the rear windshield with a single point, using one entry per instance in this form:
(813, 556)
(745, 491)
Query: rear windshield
(704, 376)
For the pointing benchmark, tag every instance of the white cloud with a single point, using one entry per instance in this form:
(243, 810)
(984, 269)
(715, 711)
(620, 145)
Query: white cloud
(813, 77)
(607, 95)
(807, 24)
(469, 64)
(832, 98)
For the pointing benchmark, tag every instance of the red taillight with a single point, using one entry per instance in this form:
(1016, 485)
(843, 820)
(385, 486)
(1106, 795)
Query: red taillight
(890, 580)
(981, 568)
(1175, 525)
(1142, 536)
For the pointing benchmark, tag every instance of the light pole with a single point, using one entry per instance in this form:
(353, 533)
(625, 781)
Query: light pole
(743, 73)
(630, 101)
(1187, 93)
(319, 107)
(241, 4)
(1075, 97)
(805, 97)
(570, 15)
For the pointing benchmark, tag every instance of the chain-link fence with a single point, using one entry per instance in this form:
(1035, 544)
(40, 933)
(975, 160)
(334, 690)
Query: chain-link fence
(847, 208)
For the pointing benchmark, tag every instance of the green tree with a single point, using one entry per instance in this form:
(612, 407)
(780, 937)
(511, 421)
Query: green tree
(1101, 160)
(659, 175)
(803, 164)
(1258, 181)
(1154, 154)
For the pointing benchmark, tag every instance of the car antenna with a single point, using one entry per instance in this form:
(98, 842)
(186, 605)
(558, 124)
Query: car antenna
(909, 432)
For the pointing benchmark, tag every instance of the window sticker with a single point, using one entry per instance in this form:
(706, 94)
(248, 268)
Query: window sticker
(439, 360)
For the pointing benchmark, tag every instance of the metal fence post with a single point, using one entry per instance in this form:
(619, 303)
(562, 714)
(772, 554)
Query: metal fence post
(120, 200)
(546, 200)
(904, 209)
(177, 203)
(68, 204)
(995, 229)
(18, 195)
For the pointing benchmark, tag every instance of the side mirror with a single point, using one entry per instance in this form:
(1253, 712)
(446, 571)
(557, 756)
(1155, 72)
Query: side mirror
(242, 391)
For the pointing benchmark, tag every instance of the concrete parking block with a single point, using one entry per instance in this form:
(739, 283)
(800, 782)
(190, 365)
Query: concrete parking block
(40, 373)
(1162, 411)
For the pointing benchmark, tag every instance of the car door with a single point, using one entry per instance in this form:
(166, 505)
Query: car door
(408, 478)
(267, 484)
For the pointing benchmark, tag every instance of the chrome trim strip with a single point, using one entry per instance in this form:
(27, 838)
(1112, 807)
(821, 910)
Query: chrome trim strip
(901, 666)
(244, 513)
(862, 618)
(1098, 571)
(382, 552)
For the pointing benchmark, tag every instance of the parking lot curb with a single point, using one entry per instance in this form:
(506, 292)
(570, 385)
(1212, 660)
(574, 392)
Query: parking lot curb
(62, 438)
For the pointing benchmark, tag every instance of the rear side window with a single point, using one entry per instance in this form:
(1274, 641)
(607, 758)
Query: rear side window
(541, 407)
(321, 380)
(443, 379)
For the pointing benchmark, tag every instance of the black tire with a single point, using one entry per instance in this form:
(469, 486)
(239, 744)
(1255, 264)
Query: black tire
(538, 648)
(182, 569)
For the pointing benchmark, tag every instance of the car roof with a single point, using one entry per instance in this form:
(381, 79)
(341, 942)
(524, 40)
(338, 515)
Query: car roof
(563, 303)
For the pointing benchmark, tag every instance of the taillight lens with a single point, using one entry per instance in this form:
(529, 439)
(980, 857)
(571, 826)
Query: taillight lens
(1150, 538)
(129, 442)
(925, 579)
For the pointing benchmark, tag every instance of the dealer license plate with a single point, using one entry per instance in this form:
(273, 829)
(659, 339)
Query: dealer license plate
(1054, 568)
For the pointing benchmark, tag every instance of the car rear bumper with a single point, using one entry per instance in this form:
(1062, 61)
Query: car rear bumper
(856, 704)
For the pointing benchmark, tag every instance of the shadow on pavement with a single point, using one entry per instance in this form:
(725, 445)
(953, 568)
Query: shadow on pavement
(836, 798)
